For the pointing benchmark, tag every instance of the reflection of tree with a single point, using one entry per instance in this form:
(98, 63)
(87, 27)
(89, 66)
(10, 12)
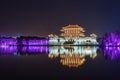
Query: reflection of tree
(111, 53)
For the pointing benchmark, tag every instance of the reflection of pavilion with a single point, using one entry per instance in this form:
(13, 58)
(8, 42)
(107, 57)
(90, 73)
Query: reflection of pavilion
(72, 60)
(73, 56)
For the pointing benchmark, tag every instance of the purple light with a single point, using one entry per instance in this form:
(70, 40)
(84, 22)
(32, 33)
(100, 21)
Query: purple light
(13, 50)
(35, 42)
(112, 52)
(8, 50)
(111, 39)
(24, 42)
(35, 49)
(8, 41)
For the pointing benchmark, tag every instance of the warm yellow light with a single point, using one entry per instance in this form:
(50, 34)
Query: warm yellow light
(93, 56)
(72, 31)
(53, 55)
(72, 60)
(93, 35)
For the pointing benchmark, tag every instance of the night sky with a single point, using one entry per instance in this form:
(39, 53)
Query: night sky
(42, 17)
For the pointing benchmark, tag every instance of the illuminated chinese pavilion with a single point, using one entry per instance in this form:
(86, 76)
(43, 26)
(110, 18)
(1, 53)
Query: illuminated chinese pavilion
(72, 31)
(73, 35)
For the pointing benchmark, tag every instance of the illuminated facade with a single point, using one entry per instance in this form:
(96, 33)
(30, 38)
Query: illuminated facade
(73, 35)
(72, 31)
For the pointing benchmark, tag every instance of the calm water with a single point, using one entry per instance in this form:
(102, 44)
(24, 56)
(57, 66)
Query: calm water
(60, 62)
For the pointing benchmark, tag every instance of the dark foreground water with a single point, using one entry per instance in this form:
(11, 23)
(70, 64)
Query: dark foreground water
(59, 63)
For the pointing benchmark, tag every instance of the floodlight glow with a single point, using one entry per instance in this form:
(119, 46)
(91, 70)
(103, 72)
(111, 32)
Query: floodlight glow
(111, 39)
(8, 50)
(35, 49)
(111, 53)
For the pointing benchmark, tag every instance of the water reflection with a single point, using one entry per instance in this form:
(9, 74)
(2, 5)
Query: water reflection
(71, 56)
(6, 50)
(111, 53)
(23, 50)
(33, 49)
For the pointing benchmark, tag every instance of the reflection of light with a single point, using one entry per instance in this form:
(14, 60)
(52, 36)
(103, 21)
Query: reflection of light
(76, 50)
(93, 56)
(53, 55)
(4, 46)
(72, 60)
(73, 56)
(16, 50)
(8, 50)
(35, 49)
(88, 50)
(112, 52)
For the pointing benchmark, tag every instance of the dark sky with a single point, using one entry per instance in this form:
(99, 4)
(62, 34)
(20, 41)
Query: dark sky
(42, 17)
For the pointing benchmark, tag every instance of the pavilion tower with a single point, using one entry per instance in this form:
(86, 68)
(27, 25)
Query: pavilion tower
(72, 31)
